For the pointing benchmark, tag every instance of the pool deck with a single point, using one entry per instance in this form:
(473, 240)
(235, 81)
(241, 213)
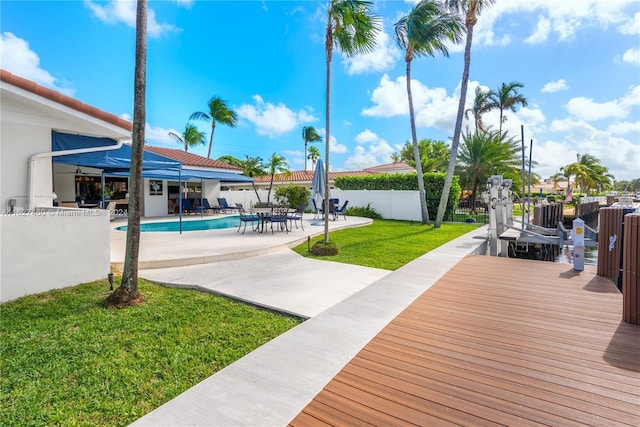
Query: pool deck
(172, 249)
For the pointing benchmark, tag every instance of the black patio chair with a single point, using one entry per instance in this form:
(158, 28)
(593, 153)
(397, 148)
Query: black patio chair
(248, 218)
(341, 210)
(296, 216)
(279, 215)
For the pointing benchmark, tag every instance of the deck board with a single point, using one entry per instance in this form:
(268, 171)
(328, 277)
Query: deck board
(495, 342)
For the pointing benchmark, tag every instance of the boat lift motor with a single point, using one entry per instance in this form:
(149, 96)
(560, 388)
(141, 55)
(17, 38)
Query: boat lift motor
(577, 236)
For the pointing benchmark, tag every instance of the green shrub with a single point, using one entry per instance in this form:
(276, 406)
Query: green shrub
(365, 212)
(292, 194)
(322, 248)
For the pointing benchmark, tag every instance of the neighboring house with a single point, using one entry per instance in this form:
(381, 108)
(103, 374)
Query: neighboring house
(398, 167)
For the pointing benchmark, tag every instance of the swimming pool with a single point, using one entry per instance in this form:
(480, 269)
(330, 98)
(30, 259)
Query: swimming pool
(195, 225)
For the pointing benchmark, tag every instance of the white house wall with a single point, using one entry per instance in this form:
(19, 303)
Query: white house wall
(18, 144)
(155, 205)
(50, 249)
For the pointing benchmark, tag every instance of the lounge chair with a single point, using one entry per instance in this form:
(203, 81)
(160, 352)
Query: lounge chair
(297, 215)
(341, 210)
(207, 207)
(245, 218)
(224, 206)
(279, 215)
(187, 207)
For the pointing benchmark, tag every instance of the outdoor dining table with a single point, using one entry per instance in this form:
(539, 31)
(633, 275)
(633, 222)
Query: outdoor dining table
(263, 214)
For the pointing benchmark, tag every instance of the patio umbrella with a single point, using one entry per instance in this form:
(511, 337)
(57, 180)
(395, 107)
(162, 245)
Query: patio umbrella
(317, 184)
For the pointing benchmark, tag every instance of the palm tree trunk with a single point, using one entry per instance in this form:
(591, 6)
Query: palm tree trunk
(213, 127)
(128, 292)
(444, 198)
(305, 156)
(416, 151)
(328, 50)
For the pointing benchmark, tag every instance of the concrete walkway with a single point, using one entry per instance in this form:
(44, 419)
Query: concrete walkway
(272, 384)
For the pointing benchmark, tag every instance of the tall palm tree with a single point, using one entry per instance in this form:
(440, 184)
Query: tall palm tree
(484, 153)
(218, 112)
(127, 293)
(314, 155)
(481, 104)
(507, 98)
(351, 28)
(471, 9)
(424, 31)
(252, 167)
(191, 137)
(230, 160)
(309, 134)
(276, 164)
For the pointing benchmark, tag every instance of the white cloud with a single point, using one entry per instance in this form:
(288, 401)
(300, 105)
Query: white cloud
(184, 3)
(334, 147)
(588, 109)
(383, 57)
(559, 19)
(621, 156)
(18, 58)
(160, 136)
(622, 128)
(632, 26)
(366, 136)
(125, 11)
(556, 86)
(541, 33)
(631, 56)
(377, 151)
(273, 120)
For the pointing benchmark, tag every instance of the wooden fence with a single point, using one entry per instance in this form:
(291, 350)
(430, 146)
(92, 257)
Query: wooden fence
(547, 216)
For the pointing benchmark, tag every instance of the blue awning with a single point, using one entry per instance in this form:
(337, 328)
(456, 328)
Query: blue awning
(189, 174)
(118, 160)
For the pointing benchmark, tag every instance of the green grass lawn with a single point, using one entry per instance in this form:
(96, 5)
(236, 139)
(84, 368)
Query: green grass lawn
(66, 360)
(388, 244)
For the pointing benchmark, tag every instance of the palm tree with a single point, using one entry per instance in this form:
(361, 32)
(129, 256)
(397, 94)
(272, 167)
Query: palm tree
(252, 167)
(471, 10)
(507, 98)
(276, 164)
(434, 155)
(351, 28)
(484, 153)
(230, 160)
(218, 112)
(314, 155)
(424, 31)
(191, 137)
(309, 134)
(127, 293)
(481, 104)
(589, 173)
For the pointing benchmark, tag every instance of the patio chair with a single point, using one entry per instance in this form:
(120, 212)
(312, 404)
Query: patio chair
(296, 216)
(248, 218)
(206, 206)
(224, 206)
(341, 210)
(279, 215)
(187, 207)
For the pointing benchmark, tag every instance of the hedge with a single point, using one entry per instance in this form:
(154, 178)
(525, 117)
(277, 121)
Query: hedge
(433, 183)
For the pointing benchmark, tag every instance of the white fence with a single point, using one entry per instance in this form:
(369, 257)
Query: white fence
(391, 204)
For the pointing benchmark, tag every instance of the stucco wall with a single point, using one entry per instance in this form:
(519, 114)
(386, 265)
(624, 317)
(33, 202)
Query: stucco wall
(19, 143)
(391, 204)
(52, 248)
(155, 205)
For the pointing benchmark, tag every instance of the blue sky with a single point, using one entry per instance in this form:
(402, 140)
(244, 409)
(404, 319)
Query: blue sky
(579, 61)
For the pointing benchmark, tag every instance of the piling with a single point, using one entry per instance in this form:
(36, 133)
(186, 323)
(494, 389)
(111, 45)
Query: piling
(609, 242)
(630, 273)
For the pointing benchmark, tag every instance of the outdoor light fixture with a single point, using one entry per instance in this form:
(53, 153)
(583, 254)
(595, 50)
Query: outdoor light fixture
(110, 277)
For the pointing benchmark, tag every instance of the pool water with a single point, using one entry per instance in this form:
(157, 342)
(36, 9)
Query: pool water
(196, 225)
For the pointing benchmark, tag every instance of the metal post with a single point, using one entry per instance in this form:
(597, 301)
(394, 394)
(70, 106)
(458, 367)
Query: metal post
(180, 198)
(522, 139)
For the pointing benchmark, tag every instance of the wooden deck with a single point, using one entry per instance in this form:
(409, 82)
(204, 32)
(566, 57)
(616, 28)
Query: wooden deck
(495, 342)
